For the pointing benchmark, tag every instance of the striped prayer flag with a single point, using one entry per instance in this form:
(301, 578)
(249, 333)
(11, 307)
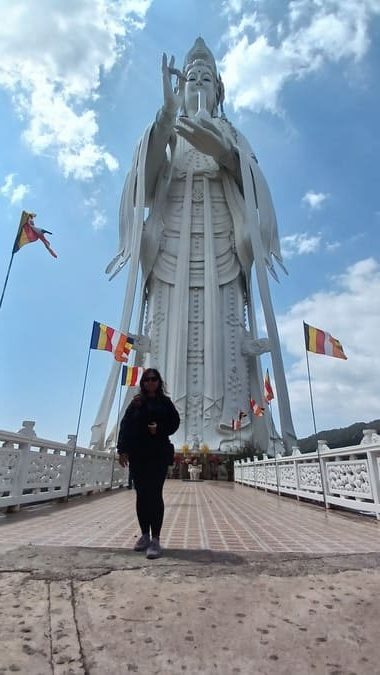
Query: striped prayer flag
(28, 233)
(131, 375)
(111, 340)
(256, 409)
(235, 425)
(320, 342)
(268, 391)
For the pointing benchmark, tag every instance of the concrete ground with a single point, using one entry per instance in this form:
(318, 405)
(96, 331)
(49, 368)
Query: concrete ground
(240, 608)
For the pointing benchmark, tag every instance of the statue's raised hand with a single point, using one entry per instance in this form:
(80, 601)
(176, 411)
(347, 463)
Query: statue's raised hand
(172, 101)
(205, 136)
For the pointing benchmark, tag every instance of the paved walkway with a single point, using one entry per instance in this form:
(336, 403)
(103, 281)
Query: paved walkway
(199, 515)
(250, 584)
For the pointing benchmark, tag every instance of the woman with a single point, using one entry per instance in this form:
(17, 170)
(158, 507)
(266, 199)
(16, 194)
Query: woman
(144, 442)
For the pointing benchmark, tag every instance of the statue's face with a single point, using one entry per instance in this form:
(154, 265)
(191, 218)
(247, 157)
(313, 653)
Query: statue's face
(199, 79)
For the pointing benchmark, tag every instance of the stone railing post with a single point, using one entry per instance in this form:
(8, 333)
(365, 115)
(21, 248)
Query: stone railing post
(296, 452)
(323, 447)
(26, 432)
(69, 464)
(265, 457)
(27, 429)
(371, 437)
(115, 458)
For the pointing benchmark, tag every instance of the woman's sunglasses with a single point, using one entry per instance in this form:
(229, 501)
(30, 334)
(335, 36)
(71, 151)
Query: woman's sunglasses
(153, 378)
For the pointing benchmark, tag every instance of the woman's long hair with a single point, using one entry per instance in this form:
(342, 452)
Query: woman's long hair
(160, 391)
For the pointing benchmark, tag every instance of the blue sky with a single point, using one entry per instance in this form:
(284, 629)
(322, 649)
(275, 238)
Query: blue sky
(79, 82)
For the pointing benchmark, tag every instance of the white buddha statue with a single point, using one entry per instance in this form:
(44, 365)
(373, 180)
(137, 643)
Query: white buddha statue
(196, 215)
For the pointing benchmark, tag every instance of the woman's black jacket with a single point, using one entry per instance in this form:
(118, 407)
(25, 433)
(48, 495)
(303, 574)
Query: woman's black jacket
(134, 437)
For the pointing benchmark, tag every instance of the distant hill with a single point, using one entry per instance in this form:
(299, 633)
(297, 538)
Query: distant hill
(339, 438)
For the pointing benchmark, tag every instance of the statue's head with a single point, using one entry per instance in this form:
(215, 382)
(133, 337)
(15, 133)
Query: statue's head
(200, 74)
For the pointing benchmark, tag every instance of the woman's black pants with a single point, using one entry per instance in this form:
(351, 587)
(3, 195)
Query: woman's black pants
(149, 481)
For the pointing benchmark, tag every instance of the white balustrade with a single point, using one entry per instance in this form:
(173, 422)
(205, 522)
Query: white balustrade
(34, 469)
(350, 476)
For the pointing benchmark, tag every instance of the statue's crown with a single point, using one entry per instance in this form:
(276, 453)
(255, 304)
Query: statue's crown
(200, 52)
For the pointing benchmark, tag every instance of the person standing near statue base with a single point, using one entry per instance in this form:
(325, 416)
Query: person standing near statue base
(144, 444)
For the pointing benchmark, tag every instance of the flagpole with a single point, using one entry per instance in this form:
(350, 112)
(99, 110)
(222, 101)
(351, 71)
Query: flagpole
(274, 448)
(11, 260)
(311, 395)
(251, 411)
(119, 406)
(117, 424)
(78, 423)
(315, 432)
(6, 278)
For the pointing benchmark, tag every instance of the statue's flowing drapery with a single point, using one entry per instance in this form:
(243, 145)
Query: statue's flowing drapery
(197, 246)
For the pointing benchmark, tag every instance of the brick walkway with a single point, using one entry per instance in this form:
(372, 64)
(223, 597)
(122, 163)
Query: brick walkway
(199, 515)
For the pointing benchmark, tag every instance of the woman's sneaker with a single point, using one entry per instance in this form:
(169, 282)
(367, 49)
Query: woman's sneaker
(154, 549)
(142, 543)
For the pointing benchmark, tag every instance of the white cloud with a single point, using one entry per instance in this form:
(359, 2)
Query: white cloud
(99, 220)
(299, 244)
(232, 6)
(315, 199)
(51, 62)
(256, 67)
(247, 21)
(253, 74)
(332, 245)
(98, 216)
(15, 193)
(343, 391)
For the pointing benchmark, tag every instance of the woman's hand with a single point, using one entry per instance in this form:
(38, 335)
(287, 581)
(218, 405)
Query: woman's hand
(152, 428)
(123, 459)
(172, 101)
(205, 136)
